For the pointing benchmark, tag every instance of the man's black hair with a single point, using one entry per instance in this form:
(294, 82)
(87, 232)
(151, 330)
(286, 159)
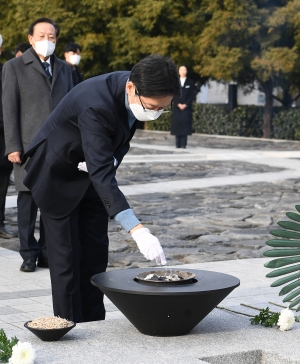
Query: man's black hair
(156, 76)
(22, 47)
(44, 20)
(72, 47)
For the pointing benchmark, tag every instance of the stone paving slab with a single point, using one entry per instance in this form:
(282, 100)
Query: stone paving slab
(197, 225)
(129, 174)
(211, 222)
(117, 341)
(216, 141)
(137, 150)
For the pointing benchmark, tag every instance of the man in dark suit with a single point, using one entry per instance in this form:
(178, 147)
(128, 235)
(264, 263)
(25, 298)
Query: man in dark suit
(5, 168)
(72, 56)
(21, 48)
(33, 85)
(91, 129)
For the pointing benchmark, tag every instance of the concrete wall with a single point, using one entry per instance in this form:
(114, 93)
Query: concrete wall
(217, 93)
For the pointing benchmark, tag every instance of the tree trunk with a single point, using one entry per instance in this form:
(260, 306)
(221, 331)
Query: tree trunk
(268, 110)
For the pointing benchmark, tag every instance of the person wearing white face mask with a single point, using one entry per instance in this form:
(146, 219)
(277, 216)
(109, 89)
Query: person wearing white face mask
(33, 85)
(72, 56)
(72, 176)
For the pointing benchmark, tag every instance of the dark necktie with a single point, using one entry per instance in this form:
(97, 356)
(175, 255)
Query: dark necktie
(46, 68)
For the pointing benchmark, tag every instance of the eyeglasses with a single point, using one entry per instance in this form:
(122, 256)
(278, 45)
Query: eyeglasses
(136, 91)
(145, 110)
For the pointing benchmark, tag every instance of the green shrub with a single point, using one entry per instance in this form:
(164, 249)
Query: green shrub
(245, 120)
(286, 124)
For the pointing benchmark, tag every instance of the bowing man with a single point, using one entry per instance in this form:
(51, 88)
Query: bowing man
(71, 174)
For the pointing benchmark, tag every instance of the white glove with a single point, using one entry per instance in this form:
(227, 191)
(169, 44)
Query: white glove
(82, 167)
(149, 246)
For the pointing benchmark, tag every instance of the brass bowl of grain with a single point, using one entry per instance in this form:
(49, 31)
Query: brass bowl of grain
(49, 328)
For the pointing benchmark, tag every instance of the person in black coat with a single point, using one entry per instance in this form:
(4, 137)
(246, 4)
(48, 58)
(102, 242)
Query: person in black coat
(21, 48)
(5, 168)
(181, 122)
(72, 56)
(71, 174)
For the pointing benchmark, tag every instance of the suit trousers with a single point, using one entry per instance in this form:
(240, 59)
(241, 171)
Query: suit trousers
(4, 180)
(27, 212)
(77, 246)
(6, 168)
(181, 141)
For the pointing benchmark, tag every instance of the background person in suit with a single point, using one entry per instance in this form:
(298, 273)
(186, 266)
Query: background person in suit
(92, 126)
(21, 48)
(5, 167)
(33, 85)
(181, 122)
(72, 56)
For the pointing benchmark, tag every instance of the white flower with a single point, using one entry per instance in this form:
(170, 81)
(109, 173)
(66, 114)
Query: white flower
(286, 320)
(22, 353)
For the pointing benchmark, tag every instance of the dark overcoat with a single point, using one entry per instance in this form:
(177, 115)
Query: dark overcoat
(28, 99)
(77, 76)
(4, 162)
(1, 111)
(90, 124)
(181, 122)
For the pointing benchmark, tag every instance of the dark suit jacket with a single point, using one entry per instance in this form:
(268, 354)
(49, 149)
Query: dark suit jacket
(181, 122)
(4, 162)
(1, 111)
(77, 76)
(28, 99)
(90, 124)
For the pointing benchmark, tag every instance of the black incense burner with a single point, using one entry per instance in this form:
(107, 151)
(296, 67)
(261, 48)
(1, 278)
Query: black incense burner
(163, 308)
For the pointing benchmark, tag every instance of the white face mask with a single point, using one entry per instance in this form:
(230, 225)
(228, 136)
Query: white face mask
(74, 59)
(144, 114)
(44, 48)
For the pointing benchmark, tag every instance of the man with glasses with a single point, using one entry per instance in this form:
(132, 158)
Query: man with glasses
(71, 174)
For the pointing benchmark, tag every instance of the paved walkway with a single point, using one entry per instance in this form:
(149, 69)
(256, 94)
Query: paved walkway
(25, 296)
(289, 160)
(276, 172)
(225, 331)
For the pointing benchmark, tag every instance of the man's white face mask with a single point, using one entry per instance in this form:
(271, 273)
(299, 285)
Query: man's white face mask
(143, 114)
(44, 47)
(75, 59)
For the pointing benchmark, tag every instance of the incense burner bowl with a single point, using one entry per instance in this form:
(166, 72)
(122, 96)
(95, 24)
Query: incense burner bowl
(165, 309)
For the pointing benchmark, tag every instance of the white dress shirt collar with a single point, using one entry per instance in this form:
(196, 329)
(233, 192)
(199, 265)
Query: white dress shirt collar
(49, 62)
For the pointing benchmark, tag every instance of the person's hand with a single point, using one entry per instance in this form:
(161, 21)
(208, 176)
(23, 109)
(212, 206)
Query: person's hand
(82, 167)
(182, 106)
(149, 246)
(14, 157)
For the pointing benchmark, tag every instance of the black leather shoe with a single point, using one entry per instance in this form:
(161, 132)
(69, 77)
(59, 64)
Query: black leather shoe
(28, 265)
(42, 262)
(6, 234)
